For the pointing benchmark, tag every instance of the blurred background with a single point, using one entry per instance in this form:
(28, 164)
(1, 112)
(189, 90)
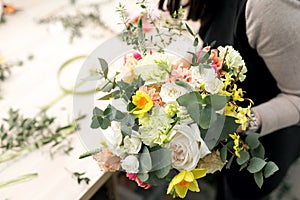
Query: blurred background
(43, 45)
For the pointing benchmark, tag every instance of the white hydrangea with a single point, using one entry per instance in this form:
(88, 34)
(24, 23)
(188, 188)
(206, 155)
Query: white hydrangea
(234, 61)
(153, 68)
(155, 129)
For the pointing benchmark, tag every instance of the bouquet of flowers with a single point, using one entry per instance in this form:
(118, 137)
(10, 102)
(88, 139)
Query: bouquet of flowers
(175, 123)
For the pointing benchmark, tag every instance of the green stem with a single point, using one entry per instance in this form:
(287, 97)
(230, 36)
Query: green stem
(49, 105)
(26, 177)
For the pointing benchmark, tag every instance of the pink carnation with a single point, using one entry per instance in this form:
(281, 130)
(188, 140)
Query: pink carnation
(153, 93)
(181, 73)
(107, 161)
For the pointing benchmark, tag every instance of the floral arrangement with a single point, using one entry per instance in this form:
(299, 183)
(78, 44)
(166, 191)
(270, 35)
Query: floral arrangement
(176, 123)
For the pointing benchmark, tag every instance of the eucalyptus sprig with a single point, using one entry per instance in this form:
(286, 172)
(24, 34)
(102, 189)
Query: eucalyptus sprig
(74, 23)
(20, 135)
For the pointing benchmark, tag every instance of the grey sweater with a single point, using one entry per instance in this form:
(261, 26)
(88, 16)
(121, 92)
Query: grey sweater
(273, 28)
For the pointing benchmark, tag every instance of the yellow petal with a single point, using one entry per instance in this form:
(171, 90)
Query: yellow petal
(181, 191)
(199, 172)
(170, 187)
(194, 186)
(179, 177)
(189, 177)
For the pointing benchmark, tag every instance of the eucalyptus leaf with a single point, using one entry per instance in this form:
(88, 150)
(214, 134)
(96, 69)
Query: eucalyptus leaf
(104, 67)
(256, 165)
(223, 153)
(244, 157)
(207, 116)
(143, 176)
(270, 169)
(228, 165)
(258, 152)
(218, 102)
(259, 179)
(145, 161)
(252, 140)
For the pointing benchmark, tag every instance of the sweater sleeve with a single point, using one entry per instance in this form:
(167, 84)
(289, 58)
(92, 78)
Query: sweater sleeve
(273, 29)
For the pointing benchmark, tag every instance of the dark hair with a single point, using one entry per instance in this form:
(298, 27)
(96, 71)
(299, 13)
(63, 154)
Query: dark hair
(202, 10)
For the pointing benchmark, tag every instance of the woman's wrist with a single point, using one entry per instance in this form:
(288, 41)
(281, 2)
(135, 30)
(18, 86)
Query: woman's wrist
(255, 122)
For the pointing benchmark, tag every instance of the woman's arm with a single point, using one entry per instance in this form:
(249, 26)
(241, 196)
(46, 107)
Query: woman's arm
(273, 29)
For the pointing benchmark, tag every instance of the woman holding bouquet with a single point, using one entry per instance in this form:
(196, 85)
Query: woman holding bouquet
(266, 33)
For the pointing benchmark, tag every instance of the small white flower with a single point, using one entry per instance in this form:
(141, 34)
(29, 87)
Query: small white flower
(171, 91)
(208, 77)
(187, 147)
(130, 164)
(132, 145)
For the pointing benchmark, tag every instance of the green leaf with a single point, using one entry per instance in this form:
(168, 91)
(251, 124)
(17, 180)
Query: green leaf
(145, 161)
(185, 85)
(189, 29)
(218, 131)
(161, 161)
(258, 152)
(112, 95)
(97, 111)
(229, 162)
(95, 122)
(104, 67)
(244, 157)
(204, 56)
(223, 153)
(154, 180)
(196, 42)
(270, 169)
(143, 176)
(104, 122)
(207, 116)
(206, 66)
(256, 164)
(252, 140)
(163, 172)
(218, 102)
(243, 166)
(259, 179)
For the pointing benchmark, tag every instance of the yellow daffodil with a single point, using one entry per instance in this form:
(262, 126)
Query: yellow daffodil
(186, 180)
(236, 140)
(143, 103)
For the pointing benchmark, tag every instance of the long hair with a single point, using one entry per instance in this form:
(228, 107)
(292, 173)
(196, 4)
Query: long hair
(202, 10)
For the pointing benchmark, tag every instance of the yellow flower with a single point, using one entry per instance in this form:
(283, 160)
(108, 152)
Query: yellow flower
(186, 180)
(236, 140)
(237, 94)
(143, 103)
(242, 116)
(1, 59)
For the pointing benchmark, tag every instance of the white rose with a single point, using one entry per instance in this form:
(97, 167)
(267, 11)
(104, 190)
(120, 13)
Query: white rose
(130, 164)
(132, 145)
(171, 91)
(187, 147)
